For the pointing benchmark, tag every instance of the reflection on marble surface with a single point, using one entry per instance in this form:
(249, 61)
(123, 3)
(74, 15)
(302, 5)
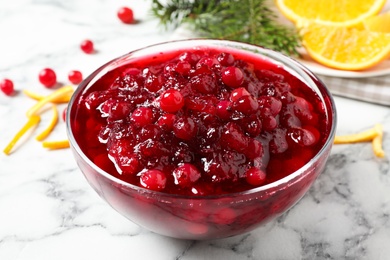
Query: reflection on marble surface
(48, 211)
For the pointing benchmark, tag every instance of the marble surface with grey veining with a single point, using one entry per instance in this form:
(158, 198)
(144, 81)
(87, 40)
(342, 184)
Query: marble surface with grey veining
(48, 211)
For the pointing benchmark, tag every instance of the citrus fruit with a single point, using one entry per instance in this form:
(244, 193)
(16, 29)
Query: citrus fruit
(378, 23)
(345, 48)
(330, 12)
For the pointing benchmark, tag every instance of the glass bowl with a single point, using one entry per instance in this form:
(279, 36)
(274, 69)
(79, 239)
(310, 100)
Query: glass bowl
(207, 216)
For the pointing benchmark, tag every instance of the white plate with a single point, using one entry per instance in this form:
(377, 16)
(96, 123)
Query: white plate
(381, 69)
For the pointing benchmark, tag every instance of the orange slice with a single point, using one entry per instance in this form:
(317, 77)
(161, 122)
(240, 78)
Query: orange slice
(345, 48)
(330, 12)
(378, 23)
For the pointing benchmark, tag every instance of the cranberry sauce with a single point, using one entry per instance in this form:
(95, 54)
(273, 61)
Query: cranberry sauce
(200, 122)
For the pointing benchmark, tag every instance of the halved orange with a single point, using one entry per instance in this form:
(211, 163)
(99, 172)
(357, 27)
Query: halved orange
(345, 48)
(331, 12)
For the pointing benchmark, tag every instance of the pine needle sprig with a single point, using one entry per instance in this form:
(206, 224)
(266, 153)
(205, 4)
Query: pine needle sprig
(250, 21)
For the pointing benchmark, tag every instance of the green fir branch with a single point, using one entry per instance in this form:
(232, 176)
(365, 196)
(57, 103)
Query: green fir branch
(250, 21)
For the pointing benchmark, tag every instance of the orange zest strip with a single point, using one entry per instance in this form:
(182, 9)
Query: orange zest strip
(32, 121)
(61, 144)
(38, 97)
(51, 125)
(365, 136)
(377, 142)
(53, 96)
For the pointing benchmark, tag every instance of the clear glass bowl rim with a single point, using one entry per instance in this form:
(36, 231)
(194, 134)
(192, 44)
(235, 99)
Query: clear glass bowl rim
(272, 55)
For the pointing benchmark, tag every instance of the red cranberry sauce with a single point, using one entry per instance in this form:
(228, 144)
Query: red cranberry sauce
(200, 122)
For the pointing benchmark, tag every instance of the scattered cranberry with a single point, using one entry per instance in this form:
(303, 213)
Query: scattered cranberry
(186, 174)
(48, 77)
(126, 15)
(75, 77)
(142, 116)
(185, 128)
(171, 101)
(255, 176)
(7, 86)
(232, 77)
(87, 46)
(153, 180)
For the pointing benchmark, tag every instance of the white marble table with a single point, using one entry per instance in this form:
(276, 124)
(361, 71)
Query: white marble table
(48, 211)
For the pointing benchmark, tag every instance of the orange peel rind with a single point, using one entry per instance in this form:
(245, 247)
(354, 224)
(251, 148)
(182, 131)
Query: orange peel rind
(32, 121)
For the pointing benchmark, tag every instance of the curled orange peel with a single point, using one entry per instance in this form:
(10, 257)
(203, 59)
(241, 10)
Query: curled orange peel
(365, 136)
(60, 144)
(61, 92)
(51, 125)
(32, 121)
(377, 142)
(374, 135)
(38, 97)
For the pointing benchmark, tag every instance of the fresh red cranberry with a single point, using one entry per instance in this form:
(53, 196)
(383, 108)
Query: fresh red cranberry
(207, 61)
(153, 83)
(183, 68)
(128, 164)
(223, 109)
(47, 77)
(75, 76)
(171, 101)
(225, 59)
(190, 57)
(273, 104)
(7, 87)
(238, 93)
(153, 180)
(126, 15)
(119, 110)
(150, 132)
(142, 116)
(246, 105)
(185, 128)
(166, 121)
(301, 137)
(233, 137)
(87, 46)
(204, 83)
(255, 176)
(232, 76)
(186, 174)
(252, 125)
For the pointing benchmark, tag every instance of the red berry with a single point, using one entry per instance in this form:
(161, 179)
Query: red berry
(171, 101)
(237, 93)
(255, 176)
(142, 116)
(87, 46)
(246, 105)
(126, 15)
(75, 77)
(7, 86)
(166, 121)
(223, 109)
(232, 76)
(47, 77)
(153, 180)
(186, 174)
(185, 128)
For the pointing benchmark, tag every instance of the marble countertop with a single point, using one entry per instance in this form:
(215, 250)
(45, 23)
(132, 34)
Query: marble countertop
(48, 211)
